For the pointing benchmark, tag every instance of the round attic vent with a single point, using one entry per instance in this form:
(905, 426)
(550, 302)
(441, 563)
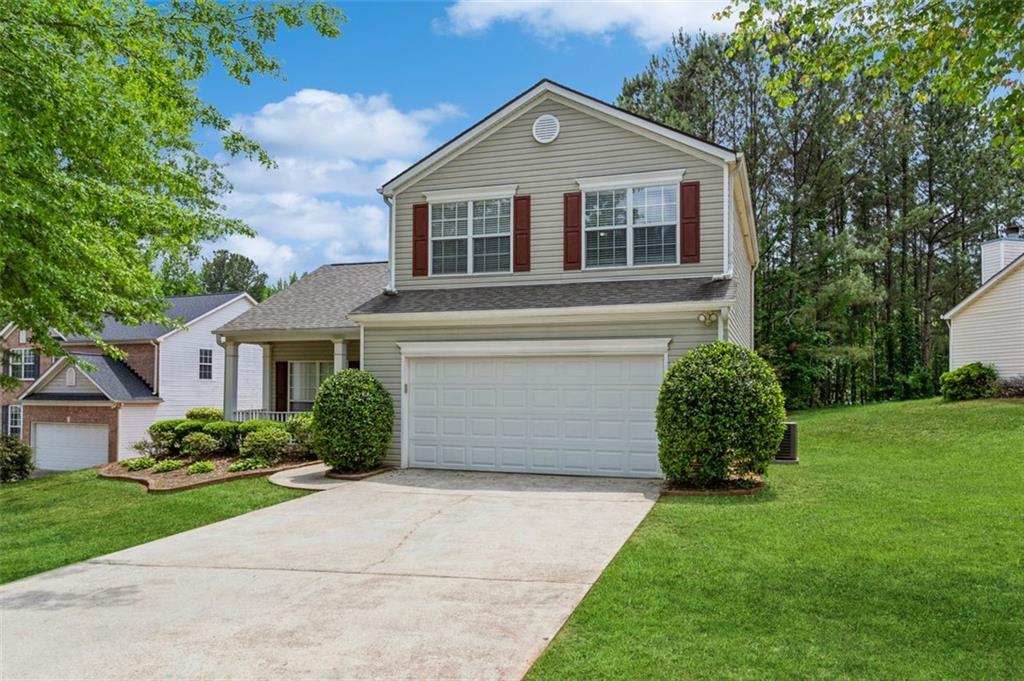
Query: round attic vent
(545, 128)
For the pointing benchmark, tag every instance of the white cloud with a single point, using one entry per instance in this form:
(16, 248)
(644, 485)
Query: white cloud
(651, 22)
(320, 203)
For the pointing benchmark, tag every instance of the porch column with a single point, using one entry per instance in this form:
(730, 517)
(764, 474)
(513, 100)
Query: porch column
(230, 380)
(268, 369)
(340, 355)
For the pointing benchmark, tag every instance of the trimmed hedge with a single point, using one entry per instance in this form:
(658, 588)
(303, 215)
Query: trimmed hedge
(353, 418)
(970, 382)
(199, 445)
(720, 415)
(246, 427)
(16, 461)
(187, 427)
(205, 414)
(268, 444)
(225, 432)
(164, 428)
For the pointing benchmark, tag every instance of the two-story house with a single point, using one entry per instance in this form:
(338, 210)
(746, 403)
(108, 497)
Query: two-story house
(545, 266)
(75, 417)
(22, 362)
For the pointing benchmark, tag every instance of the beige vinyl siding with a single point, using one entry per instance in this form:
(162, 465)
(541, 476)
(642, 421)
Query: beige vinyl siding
(58, 384)
(740, 324)
(383, 358)
(991, 329)
(587, 146)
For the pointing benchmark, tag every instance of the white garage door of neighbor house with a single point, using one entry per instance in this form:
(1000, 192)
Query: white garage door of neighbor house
(573, 415)
(69, 446)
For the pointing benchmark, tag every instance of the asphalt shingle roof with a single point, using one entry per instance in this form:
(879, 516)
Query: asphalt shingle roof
(320, 300)
(113, 377)
(181, 308)
(578, 294)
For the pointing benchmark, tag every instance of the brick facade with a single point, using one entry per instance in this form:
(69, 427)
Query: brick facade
(97, 414)
(10, 396)
(141, 357)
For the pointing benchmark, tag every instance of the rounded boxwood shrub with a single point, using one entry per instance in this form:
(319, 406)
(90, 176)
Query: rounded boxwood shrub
(969, 382)
(268, 444)
(225, 432)
(199, 445)
(720, 415)
(15, 459)
(205, 414)
(300, 427)
(246, 427)
(186, 427)
(353, 418)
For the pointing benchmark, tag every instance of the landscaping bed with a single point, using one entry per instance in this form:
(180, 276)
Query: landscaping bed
(181, 479)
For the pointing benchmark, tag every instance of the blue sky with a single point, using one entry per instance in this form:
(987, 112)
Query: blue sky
(403, 78)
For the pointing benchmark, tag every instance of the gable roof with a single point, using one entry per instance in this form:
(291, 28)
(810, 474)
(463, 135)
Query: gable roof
(185, 309)
(513, 106)
(994, 281)
(321, 299)
(114, 378)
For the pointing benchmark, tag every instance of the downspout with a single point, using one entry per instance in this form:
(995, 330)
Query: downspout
(390, 201)
(156, 367)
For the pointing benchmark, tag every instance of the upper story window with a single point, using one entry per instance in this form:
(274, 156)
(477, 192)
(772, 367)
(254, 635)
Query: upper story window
(471, 237)
(23, 363)
(631, 226)
(205, 363)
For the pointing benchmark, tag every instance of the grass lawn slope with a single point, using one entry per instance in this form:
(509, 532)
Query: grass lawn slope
(895, 549)
(68, 517)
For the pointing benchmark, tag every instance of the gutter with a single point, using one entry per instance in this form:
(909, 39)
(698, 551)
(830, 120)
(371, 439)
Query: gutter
(389, 199)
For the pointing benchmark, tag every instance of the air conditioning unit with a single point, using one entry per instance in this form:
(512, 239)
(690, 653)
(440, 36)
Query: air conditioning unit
(787, 450)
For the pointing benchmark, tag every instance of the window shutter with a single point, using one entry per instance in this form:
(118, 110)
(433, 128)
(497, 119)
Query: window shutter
(5, 415)
(689, 222)
(35, 365)
(521, 235)
(420, 239)
(572, 239)
(280, 386)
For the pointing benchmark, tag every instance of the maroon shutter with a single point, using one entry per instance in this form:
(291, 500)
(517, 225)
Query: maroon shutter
(521, 235)
(689, 222)
(5, 415)
(420, 239)
(572, 239)
(280, 386)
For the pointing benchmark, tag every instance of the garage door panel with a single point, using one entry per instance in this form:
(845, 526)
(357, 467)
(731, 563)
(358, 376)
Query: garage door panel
(573, 415)
(69, 446)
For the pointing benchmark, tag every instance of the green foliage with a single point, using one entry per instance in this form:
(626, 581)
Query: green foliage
(16, 461)
(970, 382)
(300, 427)
(251, 463)
(246, 427)
(720, 414)
(200, 467)
(168, 465)
(150, 449)
(139, 463)
(226, 433)
(176, 276)
(198, 445)
(353, 418)
(268, 444)
(163, 428)
(99, 117)
(185, 428)
(205, 414)
(227, 272)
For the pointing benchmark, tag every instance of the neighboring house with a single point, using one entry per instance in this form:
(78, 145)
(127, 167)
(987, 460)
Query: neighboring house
(988, 325)
(23, 362)
(545, 267)
(76, 417)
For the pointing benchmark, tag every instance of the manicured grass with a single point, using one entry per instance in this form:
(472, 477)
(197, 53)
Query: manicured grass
(68, 517)
(895, 549)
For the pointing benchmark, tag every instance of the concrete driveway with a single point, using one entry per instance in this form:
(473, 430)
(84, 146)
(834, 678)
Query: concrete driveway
(411, 574)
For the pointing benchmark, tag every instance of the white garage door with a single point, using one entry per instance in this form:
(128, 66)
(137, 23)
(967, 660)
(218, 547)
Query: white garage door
(69, 446)
(572, 415)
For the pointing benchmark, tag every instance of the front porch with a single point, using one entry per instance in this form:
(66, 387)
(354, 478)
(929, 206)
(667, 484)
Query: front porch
(292, 373)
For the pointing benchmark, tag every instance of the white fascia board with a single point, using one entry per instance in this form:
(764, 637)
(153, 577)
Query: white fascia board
(741, 193)
(6, 330)
(285, 335)
(987, 286)
(592, 313)
(206, 314)
(491, 122)
(534, 348)
(589, 184)
(108, 404)
(472, 194)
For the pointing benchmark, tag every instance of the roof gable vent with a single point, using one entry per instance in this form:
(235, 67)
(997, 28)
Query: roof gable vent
(545, 128)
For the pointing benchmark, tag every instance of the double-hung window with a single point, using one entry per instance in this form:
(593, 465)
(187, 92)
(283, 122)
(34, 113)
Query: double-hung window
(304, 378)
(205, 363)
(14, 420)
(21, 363)
(631, 226)
(471, 237)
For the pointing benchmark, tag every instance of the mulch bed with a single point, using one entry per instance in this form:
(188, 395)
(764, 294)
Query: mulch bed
(178, 480)
(735, 487)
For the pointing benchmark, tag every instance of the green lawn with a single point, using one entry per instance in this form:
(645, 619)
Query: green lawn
(895, 549)
(65, 518)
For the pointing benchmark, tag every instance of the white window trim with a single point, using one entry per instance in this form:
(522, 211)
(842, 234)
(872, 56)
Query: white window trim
(479, 194)
(590, 184)
(470, 237)
(320, 379)
(202, 364)
(629, 226)
(527, 348)
(16, 409)
(20, 352)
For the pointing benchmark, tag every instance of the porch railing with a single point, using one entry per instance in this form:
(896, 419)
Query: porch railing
(251, 414)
